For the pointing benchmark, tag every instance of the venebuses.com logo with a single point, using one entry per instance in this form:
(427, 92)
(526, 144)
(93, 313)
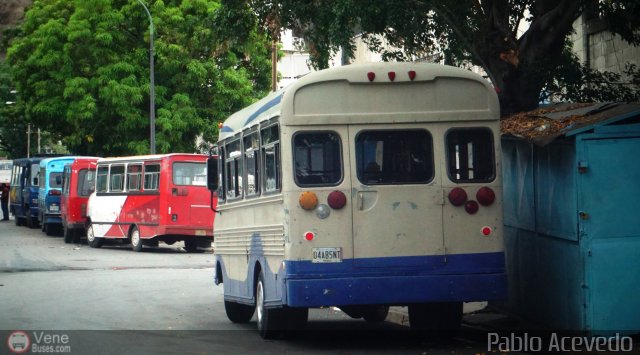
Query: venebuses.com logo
(20, 342)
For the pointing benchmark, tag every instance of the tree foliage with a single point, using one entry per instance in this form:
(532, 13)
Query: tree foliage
(81, 69)
(483, 33)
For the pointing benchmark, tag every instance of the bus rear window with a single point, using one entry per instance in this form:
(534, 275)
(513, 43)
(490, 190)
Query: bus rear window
(86, 179)
(317, 158)
(55, 180)
(190, 174)
(470, 155)
(394, 157)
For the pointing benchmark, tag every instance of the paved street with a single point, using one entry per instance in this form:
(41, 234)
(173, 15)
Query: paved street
(163, 300)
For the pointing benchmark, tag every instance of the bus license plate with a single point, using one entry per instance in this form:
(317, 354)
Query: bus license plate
(327, 255)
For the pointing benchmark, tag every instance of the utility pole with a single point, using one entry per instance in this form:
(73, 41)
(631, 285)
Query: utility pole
(152, 90)
(29, 140)
(39, 141)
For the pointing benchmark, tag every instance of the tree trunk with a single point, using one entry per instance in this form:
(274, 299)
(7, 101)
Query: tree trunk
(521, 68)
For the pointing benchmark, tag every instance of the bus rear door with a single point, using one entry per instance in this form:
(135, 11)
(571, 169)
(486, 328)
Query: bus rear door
(397, 197)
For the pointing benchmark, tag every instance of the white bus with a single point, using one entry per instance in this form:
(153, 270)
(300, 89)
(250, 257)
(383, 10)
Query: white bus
(374, 185)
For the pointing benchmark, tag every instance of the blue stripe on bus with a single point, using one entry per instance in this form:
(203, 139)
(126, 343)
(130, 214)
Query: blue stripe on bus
(397, 281)
(264, 108)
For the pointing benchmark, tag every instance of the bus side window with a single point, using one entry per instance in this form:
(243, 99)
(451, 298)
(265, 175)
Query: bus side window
(134, 177)
(101, 179)
(251, 163)
(270, 155)
(116, 178)
(151, 176)
(233, 170)
(470, 156)
(221, 174)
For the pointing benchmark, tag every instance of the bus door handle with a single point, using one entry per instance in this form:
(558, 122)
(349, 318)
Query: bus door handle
(360, 201)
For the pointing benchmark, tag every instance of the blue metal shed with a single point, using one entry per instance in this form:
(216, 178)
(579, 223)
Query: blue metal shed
(571, 182)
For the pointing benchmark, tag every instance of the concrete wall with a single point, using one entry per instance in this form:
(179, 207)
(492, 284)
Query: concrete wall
(604, 50)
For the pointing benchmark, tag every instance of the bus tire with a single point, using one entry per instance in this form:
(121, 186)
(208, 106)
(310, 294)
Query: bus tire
(269, 320)
(30, 222)
(136, 241)
(238, 312)
(191, 245)
(375, 314)
(69, 234)
(92, 240)
(435, 316)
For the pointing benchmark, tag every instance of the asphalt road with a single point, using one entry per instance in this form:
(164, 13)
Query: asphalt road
(161, 301)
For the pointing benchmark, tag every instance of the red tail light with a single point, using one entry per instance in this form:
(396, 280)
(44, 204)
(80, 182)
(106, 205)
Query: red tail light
(337, 200)
(471, 207)
(55, 192)
(412, 74)
(486, 196)
(457, 196)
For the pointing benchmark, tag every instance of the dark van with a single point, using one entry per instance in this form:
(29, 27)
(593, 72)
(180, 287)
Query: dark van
(23, 196)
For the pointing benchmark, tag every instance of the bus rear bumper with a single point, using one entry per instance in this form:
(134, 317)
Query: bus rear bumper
(396, 290)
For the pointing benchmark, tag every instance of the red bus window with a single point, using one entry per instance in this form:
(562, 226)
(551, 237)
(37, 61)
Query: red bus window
(134, 177)
(151, 176)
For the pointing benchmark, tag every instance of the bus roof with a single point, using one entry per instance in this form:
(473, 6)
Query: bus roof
(149, 157)
(322, 97)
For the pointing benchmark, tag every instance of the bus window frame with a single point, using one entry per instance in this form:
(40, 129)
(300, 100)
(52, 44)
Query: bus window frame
(147, 164)
(431, 162)
(246, 134)
(340, 157)
(139, 175)
(124, 180)
(237, 161)
(277, 147)
(491, 155)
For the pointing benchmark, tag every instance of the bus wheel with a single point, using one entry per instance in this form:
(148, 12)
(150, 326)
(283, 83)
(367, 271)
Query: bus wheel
(136, 242)
(375, 314)
(269, 320)
(191, 245)
(238, 312)
(30, 222)
(440, 316)
(92, 240)
(69, 235)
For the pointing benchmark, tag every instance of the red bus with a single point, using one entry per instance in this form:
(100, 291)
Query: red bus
(151, 198)
(78, 182)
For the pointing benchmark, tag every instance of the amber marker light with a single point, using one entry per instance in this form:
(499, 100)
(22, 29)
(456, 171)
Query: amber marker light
(308, 200)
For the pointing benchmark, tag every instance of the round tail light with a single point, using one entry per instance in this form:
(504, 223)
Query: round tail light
(308, 200)
(486, 231)
(486, 196)
(337, 200)
(471, 207)
(457, 196)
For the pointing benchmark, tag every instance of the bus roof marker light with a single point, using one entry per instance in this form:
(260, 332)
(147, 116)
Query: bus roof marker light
(337, 200)
(371, 75)
(308, 200)
(412, 74)
(485, 196)
(309, 236)
(392, 75)
(457, 196)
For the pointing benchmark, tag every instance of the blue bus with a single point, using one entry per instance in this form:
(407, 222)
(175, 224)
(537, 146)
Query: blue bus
(50, 189)
(23, 196)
